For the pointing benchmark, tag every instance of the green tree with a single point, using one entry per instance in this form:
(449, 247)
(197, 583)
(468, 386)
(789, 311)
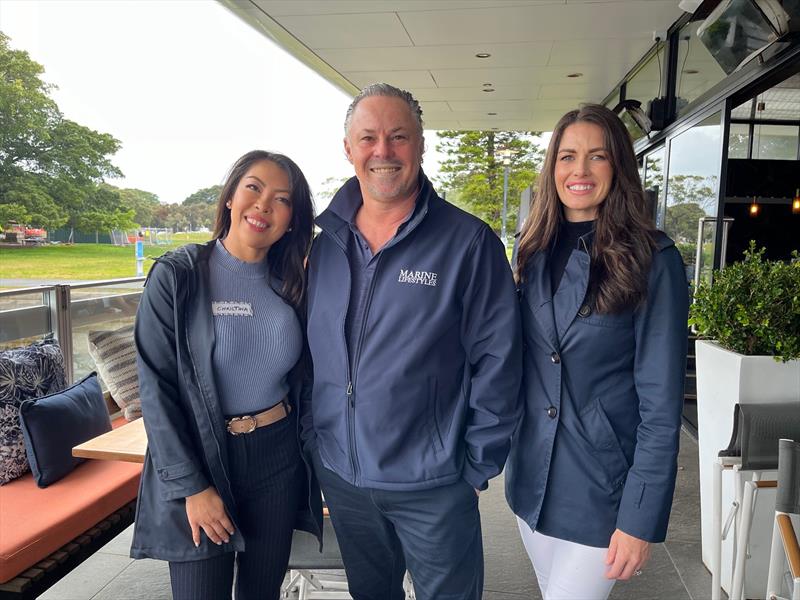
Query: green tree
(208, 195)
(681, 221)
(693, 188)
(49, 165)
(328, 189)
(104, 211)
(142, 203)
(473, 173)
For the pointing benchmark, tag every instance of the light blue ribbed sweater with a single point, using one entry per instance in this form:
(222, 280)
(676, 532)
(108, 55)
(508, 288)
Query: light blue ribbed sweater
(258, 337)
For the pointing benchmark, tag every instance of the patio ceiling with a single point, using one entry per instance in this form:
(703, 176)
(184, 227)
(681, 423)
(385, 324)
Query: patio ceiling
(429, 47)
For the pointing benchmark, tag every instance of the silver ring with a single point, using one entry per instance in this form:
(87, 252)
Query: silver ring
(637, 572)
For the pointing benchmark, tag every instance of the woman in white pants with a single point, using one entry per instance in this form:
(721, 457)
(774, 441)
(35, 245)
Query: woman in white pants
(604, 303)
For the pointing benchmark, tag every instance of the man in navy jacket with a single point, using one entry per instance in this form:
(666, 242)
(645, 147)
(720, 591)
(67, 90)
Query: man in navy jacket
(414, 329)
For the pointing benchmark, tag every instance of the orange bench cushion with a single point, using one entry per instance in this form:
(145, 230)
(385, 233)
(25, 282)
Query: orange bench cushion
(35, 522)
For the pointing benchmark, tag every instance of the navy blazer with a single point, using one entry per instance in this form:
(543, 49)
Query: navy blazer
(597, 448)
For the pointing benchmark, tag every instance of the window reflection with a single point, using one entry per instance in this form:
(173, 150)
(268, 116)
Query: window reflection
(654, 184)
(692, 193)
(698, 71)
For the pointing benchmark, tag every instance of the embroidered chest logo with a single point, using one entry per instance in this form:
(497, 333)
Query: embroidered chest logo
(226, 308)
(418, 277)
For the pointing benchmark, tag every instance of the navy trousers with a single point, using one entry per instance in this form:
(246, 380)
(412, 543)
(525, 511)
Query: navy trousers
(267, 476)
(435, 533)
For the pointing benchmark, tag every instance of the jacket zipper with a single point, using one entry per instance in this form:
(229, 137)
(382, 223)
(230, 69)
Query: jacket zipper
(354, 369)
(349, 399)
(205, 403)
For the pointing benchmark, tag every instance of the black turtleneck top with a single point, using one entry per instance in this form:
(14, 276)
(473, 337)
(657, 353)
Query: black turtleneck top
(566, 242)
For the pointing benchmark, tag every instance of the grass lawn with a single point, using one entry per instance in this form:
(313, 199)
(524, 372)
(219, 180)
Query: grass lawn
(82, 261)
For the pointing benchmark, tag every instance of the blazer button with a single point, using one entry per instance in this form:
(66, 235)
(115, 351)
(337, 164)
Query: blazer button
(555, 358)
(552, 412)
(585, 311)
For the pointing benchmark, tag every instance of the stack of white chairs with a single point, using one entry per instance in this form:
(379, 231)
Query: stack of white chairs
(751, 453)
(784, 539)
(315, 575)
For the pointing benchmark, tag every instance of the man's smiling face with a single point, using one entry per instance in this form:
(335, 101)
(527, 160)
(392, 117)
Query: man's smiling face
(385, 145)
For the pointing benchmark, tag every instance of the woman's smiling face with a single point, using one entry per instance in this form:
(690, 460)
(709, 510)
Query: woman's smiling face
(583, 172)
(261, 211)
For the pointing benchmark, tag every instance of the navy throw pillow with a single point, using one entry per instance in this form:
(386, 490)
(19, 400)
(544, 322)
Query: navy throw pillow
(53, 424)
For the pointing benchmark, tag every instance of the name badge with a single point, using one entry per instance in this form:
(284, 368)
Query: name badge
(231, 309)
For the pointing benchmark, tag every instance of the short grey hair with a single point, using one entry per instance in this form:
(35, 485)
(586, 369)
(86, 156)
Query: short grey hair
(384, 89)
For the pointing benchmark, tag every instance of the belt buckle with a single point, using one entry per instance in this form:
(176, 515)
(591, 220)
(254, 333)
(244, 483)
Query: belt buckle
(243, 418)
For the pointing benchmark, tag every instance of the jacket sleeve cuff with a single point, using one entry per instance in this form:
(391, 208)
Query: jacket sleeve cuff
(475, 478)
(181, 480)
(644, 509)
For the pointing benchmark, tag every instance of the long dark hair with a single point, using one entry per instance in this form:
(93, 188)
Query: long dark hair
(622, 250)
(286, 257)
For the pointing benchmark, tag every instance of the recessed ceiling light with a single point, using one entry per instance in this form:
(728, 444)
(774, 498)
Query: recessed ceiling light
(492, 114)
(575, 75)
(482, 55)
(488, 89)
(691, 71)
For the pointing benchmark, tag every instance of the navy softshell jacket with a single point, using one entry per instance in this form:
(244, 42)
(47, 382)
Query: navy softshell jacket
(431, 392)
(597, 448)
(186, 431)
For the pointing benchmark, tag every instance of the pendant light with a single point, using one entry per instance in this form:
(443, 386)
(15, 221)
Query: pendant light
(754, 208)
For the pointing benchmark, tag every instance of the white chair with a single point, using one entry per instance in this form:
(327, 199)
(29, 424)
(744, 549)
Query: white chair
(753, 450)
(784, 538)
(306, 582)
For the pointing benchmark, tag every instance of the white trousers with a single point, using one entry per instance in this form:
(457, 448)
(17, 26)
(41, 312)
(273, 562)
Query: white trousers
(566, 570)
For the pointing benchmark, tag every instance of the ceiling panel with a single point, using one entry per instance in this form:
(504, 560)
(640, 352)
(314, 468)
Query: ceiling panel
(429, 47)
(539, 22)
(338, 31)
(401, 79)
(446, 78)
(438, 57)
(323, 7)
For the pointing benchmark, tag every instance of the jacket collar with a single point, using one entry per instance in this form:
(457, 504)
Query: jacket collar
(556, 312)
(342, 210)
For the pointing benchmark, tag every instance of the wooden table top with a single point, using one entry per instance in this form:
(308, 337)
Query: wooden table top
(127, 443)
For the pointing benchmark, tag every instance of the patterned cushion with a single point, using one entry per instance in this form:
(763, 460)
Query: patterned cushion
(114, 353)
(25, 374)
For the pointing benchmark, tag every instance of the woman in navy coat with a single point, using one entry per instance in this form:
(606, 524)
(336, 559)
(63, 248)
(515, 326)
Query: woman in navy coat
(220, 341)
(604, 304)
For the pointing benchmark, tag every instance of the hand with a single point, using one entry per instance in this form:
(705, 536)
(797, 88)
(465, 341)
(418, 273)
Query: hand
(626, 554)
(205, 510)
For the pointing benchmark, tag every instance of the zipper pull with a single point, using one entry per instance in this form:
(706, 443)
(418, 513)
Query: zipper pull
(349, 392)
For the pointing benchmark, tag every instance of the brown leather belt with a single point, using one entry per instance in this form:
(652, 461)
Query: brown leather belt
(249, 423)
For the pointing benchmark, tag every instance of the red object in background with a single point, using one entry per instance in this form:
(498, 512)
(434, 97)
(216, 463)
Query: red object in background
(31, 234)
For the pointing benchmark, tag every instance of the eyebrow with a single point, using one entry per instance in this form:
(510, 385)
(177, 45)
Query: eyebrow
(598, 149)
(288, 191)
(395, 130)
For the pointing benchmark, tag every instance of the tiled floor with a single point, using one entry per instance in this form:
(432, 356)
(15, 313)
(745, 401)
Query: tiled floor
(675, 571)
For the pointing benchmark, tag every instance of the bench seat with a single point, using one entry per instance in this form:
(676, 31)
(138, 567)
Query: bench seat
(37, 522)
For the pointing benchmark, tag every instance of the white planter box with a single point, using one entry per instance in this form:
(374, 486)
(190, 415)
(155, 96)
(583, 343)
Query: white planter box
(725, 378)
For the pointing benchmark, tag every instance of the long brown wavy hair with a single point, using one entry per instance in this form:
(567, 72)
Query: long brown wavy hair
(622, 250)
(286, 257)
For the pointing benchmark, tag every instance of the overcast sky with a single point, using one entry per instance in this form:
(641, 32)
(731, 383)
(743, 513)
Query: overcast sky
(186, 86)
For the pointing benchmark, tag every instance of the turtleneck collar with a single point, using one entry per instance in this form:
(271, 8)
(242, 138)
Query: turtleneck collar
(240, 268)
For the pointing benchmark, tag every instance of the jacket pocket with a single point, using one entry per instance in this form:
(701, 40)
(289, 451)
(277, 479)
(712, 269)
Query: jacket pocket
(433, 414)
(613, 321)
(603, 439)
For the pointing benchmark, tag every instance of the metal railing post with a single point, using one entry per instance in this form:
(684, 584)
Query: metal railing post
(63, 327)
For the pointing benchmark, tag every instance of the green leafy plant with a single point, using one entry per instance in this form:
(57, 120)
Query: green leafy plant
(752, 307)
